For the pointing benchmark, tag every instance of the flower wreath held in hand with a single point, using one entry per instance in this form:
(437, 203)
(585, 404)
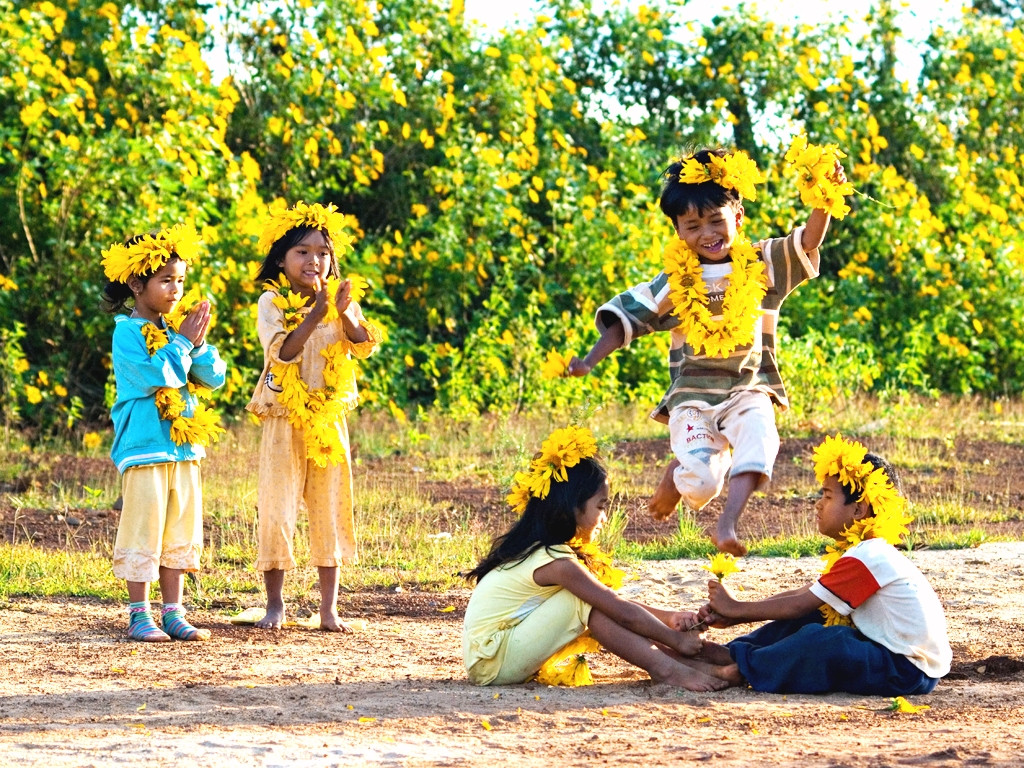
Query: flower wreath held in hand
(144, 256)
(844, 459)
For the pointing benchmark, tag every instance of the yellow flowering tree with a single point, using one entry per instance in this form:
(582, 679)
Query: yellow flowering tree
(111, 125)
(502, 184)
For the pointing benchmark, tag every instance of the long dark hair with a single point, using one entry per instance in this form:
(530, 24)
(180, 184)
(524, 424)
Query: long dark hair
(548, 521)
(272, 268)
(677, 198)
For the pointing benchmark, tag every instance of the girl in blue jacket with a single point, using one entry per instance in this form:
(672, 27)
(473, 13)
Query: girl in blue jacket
(161, 361)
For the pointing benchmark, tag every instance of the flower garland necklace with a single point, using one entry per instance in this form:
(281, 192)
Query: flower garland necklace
(317, 411)
(203, 426)
(844, 459)
(565, 448)
(740, 307)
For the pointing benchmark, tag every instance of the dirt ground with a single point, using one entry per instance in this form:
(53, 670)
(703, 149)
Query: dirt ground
(75, 693)
(979, 473)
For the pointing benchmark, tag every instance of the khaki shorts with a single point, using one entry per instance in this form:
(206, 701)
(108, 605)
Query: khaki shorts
(288, 480)
(161, 520)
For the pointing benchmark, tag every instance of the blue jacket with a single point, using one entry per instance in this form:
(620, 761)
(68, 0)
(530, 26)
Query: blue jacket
(140, 435)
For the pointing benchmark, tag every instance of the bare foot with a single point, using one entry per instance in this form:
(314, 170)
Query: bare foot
(714, 653)
(682, 676)
(731, 674)
(666, 497)
(274, 618)
(329, 622)
(725, 540)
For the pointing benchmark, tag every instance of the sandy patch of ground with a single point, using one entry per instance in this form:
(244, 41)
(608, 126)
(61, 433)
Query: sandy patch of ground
(76, 693)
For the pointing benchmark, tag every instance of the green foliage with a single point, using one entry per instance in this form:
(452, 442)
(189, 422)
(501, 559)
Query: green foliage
(504, 186)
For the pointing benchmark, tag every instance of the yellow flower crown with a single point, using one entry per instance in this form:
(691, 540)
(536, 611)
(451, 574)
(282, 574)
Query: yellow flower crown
(563, 449)
(734, 171)
(150, 252)
(844, 459)
(325, 218)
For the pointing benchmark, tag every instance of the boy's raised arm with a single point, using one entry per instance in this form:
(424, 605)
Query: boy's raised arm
(818, 221)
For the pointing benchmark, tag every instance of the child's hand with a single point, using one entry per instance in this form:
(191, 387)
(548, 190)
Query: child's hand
(838, 174)
(721, 602)
(343, 298)
(683, 621)
(577, 367)
(320, 298)
(196, 323)
(708, 618)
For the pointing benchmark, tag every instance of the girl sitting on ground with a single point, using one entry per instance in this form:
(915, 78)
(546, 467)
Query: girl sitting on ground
(535, 592)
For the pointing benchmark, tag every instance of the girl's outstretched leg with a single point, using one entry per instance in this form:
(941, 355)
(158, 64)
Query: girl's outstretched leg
(643, 653)
(274, 582)
(329, 600)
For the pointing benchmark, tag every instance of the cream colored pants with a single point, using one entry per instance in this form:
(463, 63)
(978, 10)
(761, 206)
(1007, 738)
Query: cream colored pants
(287, 479)
(716, 442)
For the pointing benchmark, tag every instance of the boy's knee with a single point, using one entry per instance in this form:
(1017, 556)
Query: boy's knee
(696, 489)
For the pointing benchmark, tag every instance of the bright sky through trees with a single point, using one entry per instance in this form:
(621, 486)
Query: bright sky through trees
(917, 17)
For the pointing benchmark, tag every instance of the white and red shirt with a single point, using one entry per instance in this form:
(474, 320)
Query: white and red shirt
(889, 601)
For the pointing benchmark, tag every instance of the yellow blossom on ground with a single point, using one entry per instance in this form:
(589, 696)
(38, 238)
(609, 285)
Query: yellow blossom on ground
(900, 704)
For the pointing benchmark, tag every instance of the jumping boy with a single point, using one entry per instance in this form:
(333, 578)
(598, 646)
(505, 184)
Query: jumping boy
(719, 297)
(871, 624)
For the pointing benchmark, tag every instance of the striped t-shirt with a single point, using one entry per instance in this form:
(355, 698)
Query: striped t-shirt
(695, 378)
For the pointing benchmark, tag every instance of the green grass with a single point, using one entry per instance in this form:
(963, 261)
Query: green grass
(28, 570)
(409, 540)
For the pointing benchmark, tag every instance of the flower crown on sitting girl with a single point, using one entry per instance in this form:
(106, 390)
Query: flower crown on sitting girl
(847, 461)
(563, 449)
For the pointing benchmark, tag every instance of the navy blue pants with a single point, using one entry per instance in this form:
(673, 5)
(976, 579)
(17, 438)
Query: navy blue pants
(804, 656)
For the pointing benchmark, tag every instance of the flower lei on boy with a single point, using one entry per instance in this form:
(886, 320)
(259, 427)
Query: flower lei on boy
(747, 284)
(145, 256)
(843, 458)
(315, 411)
(565, 448)
(814, 167)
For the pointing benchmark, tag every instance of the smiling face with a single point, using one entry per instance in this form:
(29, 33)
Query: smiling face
(710, 234)
(834, 513)
(162, 292)
(307, 262)
(591, 516)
